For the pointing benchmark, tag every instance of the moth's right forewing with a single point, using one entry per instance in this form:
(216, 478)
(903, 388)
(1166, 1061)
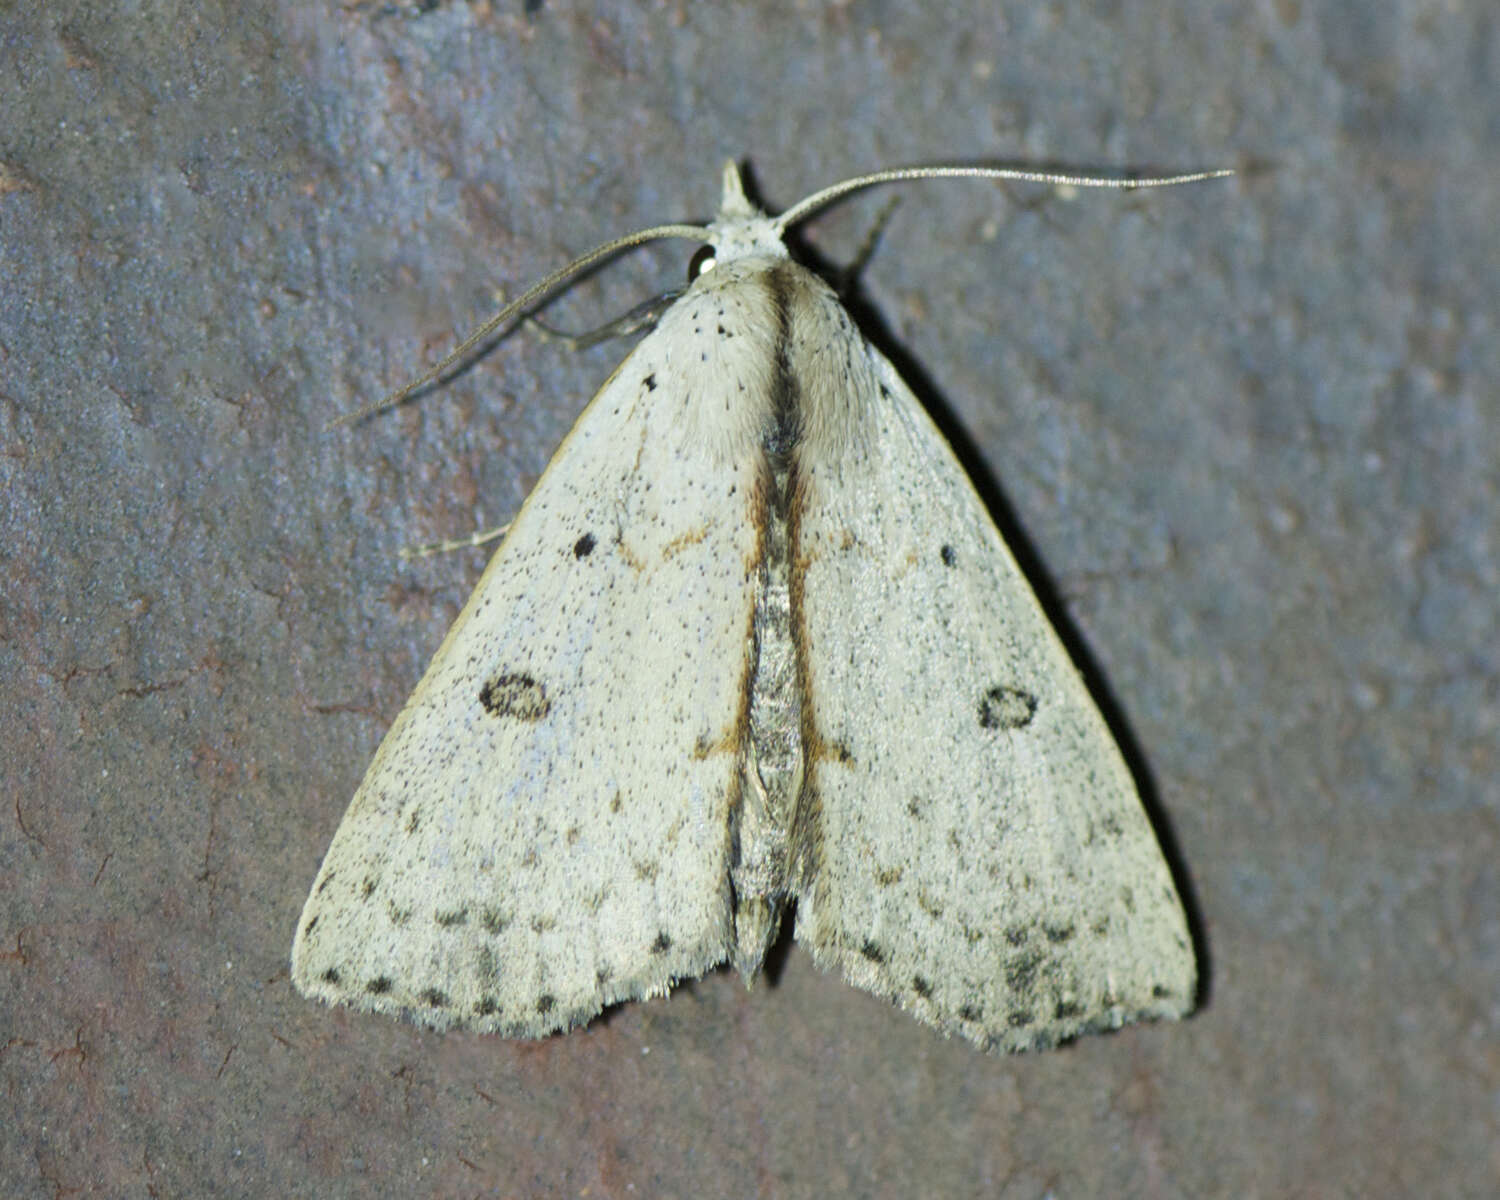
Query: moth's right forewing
(977, 850)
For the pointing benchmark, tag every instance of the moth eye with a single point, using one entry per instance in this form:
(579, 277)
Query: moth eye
(702, 260)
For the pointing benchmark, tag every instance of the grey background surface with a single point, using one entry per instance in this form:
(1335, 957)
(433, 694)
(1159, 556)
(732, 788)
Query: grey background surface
(1246, 433)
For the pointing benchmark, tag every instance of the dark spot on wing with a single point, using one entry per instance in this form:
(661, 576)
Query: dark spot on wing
(515, 695)
(1058, 933)
(649, 383)
(1066, 1009)
(1020, 972)
(949, 555)
(1019, 1018)
(331, 976)
(1006, 708)
(309, 927)
(325, 881)
(398, 916)
(433, 998)
(379, 986)
(873, 952)
(1016, 935)
(971, 1012)
(487, 1007)
(1159, 992)
(922, 987)
(367, 889)
(447, 920)
(493, 920)
(412, 821)
(888, 876)
(584, 546)
(544, 1004)
(662, 944)
(1109, 826)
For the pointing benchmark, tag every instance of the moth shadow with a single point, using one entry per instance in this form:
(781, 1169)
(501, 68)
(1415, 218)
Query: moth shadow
(1048, 594)
(778, 951)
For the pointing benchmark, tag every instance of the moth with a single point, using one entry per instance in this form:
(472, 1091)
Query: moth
(752, 647)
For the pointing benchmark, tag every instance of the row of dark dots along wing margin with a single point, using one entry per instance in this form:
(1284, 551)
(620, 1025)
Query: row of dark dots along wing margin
(1021, 975)
(493, 920)
(382, 985)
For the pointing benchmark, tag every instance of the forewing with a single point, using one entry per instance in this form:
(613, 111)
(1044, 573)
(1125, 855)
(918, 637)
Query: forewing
(544, 829)
(976, 848)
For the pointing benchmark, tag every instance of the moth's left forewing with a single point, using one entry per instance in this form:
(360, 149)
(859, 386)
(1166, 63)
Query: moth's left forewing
(545, 828)
(974, 845)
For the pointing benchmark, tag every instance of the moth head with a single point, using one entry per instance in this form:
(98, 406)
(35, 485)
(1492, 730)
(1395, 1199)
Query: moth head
(740, 230)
